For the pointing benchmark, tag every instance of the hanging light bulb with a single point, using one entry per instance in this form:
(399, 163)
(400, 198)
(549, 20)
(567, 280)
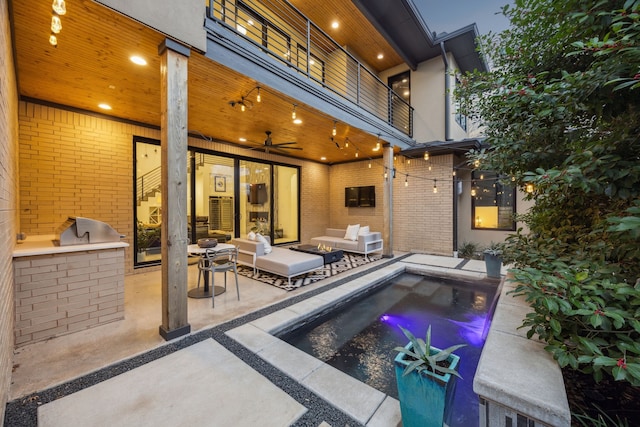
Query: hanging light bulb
(529, 188)
(454, 172)
(258, 97)
(385, 174)
(369, 165)
(56, 24)
(334, 131)
(53, 40)
(435, 185)
(406, 182)
(293, 113)
(473, 192)
(476, 163)
(357, 152)
(429, 167)
(59, 7)
(242, 107)
(426, 155)
(346, 143)
(408, 161)
(481, 176)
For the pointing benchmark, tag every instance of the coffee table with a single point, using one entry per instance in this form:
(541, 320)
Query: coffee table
(328, 256)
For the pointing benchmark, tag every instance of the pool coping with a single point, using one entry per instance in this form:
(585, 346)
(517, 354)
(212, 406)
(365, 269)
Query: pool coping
(360, 401)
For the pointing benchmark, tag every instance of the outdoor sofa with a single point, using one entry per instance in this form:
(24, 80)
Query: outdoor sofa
(359, 239)
(280, 261)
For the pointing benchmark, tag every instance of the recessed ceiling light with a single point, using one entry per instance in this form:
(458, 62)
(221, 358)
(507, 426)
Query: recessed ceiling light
(380, 56)
(138, 60)
(105, 106)
(242, 139)
(335, 24)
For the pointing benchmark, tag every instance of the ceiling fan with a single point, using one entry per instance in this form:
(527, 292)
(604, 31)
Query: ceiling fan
(269, 145)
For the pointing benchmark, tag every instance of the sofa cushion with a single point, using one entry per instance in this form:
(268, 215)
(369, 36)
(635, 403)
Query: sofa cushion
(363, 230)
(261, 239)
(352, 232)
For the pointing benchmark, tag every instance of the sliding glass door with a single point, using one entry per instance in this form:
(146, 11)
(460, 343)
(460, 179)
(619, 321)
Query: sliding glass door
(227, 197)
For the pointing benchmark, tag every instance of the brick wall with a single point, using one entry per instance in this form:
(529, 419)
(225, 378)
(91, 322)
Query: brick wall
(356, 174)
(73, 164)
(63, 293)
(8, 199)
(422, 219)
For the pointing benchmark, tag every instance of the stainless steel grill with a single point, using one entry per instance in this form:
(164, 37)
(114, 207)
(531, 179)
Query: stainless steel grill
(78, 231)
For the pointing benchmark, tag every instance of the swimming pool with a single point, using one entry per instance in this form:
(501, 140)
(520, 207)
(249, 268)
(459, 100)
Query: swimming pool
(359, 339)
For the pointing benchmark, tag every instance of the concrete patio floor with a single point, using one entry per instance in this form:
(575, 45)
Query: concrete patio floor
(185, 385)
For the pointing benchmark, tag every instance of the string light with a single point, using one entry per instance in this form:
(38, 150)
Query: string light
(53, 40)
(406, 181)
(357, 152)
(529, 188)
(435, 185)
(56, 24)
(258, 97)
(293, 113)
(476, 163)
(426, 155)
(334, 131)
(346, 143)
(59, 7)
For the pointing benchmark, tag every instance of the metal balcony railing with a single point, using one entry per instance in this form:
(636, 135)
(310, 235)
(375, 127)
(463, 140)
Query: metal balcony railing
(283, 32)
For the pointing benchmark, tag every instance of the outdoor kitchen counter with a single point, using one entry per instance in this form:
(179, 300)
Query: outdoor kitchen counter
(44, 245)
(64, 289)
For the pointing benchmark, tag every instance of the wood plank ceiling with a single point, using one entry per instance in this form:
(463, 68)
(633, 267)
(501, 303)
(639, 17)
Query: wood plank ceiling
(91, 65)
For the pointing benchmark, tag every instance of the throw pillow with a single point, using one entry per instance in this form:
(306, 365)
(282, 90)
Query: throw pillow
(261, 239)
(352, 232)
(251, 235)
(363, 230)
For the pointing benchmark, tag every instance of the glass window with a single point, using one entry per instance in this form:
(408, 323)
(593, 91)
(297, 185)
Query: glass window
(493, 202)
(400, 114)
(316, 65)
(148, 201)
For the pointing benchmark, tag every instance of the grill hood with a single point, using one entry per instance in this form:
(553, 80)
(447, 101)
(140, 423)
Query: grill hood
(78, 231)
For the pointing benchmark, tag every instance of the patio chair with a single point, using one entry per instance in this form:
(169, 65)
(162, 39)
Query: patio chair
(221, 260)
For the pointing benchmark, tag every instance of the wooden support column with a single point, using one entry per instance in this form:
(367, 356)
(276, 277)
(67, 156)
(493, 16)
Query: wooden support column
(387, 202)
(173, 74)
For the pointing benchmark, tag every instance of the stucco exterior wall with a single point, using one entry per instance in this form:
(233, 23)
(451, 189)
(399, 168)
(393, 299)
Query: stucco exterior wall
(428, 99)
(465, 218)
(8, 200)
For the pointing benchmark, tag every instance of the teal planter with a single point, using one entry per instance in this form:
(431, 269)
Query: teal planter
(493, 264)
(424, 396)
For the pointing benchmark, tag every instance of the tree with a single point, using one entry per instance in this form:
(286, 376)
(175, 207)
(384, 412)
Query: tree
(561, 111)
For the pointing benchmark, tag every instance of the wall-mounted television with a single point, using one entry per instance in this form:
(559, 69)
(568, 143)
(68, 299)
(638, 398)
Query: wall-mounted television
(360, 197)
(257, 194)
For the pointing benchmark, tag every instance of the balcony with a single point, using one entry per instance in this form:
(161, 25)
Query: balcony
(284, 33)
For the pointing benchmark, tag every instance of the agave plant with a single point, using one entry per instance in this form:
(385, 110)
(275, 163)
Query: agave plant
(423, 356)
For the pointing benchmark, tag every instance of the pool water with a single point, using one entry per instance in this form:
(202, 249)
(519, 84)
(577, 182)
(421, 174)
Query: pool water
(360, 338)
